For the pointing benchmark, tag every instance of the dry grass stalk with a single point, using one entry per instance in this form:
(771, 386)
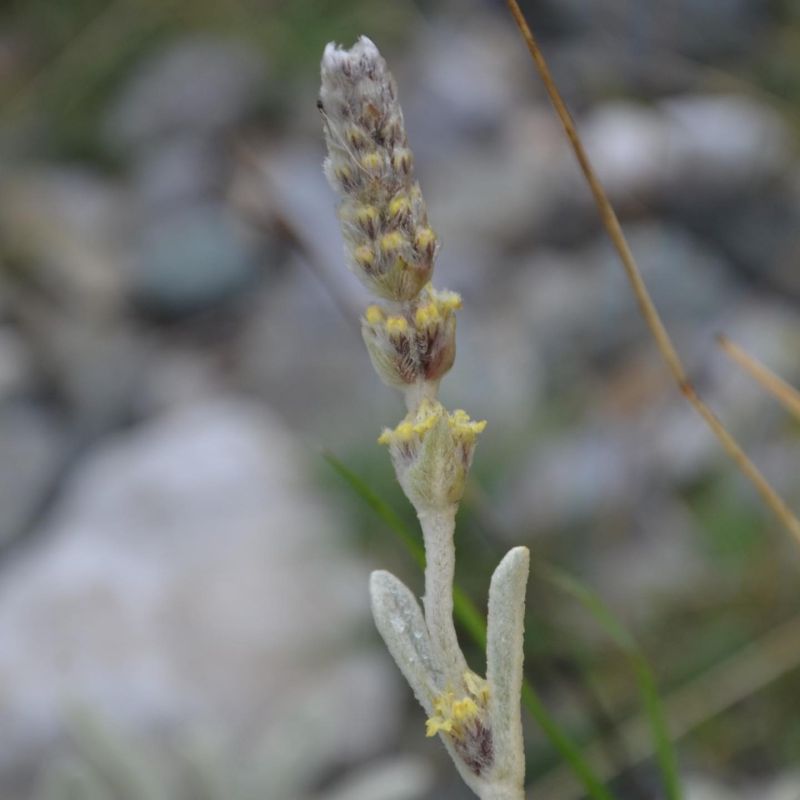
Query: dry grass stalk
(645, 302)
(785, 394)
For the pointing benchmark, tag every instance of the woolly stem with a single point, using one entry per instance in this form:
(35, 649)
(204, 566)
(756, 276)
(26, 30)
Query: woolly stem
(420, 391)
(438, 527)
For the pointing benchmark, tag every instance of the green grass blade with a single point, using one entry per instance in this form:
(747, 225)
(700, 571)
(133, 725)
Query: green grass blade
(472, 621)
(372, 499)
(645, 679)
(565, 746)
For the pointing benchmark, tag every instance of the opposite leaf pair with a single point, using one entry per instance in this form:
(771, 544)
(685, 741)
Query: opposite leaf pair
(478, 721)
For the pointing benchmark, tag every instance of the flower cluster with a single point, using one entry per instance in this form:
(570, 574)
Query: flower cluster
(432, 452)
(460, 718)
(464, 719)
(390, 245)
(410, 337)
(417, 346)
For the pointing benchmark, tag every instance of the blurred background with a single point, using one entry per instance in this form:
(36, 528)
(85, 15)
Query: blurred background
(183, 604)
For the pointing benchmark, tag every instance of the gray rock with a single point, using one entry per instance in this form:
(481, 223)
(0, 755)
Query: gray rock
(757, 230)
(639, 566)
(464, 83)
(780, 787)
(198, 85)
(767, 330)
(591, 65)
(174, 378)
(580, 301)
(628, 146)
(711, 144)
(288, 184)
(191, 260)
(190, 578)
(678, 442)
(32, 445)
(724, 140)
(298, 346)
(688, 280)
(555, 292)
(500, 191)
(96, 365)
(573, 479)
(499, 368)
(783, 787)
(16, 364)
(70, 227)
(183, 170)
(703, 788)
(105, 763)
(701, 28)
(403, 778)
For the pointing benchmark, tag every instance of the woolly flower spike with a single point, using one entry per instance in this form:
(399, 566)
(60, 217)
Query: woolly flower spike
(417, 348)
(432, 452)
(389, 243)
(411, 342)
(478, 720)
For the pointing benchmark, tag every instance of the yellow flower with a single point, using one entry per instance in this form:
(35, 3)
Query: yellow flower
(456, 715)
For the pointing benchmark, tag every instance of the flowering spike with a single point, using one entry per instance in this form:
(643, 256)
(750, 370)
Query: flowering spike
(411, 341)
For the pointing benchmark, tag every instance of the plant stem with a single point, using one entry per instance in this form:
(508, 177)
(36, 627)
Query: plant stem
(438, 526)
(420, 391)
(472, 621)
